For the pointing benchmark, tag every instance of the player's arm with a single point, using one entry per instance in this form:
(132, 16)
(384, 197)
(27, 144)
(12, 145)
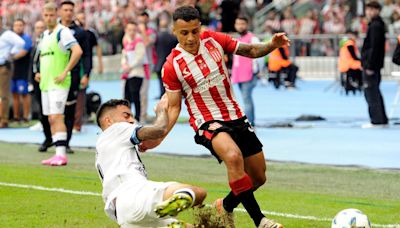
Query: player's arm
(76, 53)
(262, 49)
(174, 108)
(159, 128)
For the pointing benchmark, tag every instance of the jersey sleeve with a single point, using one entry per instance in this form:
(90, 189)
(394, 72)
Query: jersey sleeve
(127, 131)
(67, 39)
(229, 44)
(28, 43)
(169, 78)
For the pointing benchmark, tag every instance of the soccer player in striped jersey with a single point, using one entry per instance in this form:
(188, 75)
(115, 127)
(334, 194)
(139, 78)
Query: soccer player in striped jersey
(195, 69)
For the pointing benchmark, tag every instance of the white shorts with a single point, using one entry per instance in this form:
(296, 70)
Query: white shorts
(53, 101)
(136, 203)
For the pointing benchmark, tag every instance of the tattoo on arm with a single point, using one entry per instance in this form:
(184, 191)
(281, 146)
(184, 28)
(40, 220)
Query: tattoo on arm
(254, 50)
(156, 130)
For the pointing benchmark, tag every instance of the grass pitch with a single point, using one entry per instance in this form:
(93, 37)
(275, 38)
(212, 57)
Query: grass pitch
(297, 195)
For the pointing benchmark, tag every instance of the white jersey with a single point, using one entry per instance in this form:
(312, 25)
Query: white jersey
(118, 161)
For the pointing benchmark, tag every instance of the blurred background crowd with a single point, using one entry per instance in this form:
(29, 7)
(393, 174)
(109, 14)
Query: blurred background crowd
(301, 17)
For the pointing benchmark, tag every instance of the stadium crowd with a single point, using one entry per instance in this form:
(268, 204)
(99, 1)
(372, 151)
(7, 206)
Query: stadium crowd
(108, 18)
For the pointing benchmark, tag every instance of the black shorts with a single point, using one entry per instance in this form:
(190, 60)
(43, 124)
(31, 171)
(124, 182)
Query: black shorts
(240, 130)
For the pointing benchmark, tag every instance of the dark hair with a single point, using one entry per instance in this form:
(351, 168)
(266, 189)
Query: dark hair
(20, 20)
(373, 4)
(67, 2)
(144, 13)
(243, 18)
(131, 22)
(352, 32)
(111, 104)
(186, 13)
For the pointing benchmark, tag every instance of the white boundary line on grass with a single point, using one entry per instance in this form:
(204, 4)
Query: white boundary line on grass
(286, 215)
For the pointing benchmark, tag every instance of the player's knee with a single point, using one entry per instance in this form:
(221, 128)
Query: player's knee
(233, 158)
(200, 193)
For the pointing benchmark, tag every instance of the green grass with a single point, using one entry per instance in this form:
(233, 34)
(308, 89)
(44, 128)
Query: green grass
(309, 190)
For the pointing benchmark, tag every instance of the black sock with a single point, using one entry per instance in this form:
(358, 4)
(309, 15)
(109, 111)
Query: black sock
(230, 202)
(249, 202)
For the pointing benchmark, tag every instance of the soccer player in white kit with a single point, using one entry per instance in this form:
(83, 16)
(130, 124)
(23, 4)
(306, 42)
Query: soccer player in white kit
(130, 198)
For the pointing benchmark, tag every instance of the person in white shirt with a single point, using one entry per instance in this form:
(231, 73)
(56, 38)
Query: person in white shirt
(10, 46)
(130, 198)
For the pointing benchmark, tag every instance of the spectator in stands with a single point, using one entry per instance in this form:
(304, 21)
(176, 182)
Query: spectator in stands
(308, 25)
(289, 22)
(349, 63)
(373, 53)
(19, 82)
(387, 11)
(10, 46)
(359, 24)
(335, 25)
(92, 42)
(165, 42)
(394, 27)
(272, 21)
(133, 62)
(245, 71)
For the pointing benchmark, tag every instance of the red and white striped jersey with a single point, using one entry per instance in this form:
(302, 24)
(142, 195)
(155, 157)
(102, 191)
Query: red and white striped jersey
(203, 79)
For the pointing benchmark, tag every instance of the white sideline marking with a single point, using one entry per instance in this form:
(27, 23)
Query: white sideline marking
(286, 215)
(50, 189)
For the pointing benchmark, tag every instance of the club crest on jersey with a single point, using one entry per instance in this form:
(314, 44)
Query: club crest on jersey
(214, 126)
(215, 54)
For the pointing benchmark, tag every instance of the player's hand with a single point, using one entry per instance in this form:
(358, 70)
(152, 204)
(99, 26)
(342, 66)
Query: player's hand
(37, 77)
(148, 144)
(280, 39)
(84, 82)
(60, 78)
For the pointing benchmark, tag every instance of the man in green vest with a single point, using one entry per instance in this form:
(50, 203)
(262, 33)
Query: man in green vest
(59, 53)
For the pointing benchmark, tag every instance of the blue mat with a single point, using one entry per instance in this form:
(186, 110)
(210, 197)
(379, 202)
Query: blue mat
(339, 140)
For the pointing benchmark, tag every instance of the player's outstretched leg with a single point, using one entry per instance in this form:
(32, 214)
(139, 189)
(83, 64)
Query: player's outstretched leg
(176, 203)
(179, 197)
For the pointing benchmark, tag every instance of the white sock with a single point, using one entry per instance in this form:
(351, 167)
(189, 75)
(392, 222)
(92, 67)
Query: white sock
(60, 138)
(187, 191)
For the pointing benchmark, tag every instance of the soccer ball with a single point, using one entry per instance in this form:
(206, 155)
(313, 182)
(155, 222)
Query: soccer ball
(351, 218)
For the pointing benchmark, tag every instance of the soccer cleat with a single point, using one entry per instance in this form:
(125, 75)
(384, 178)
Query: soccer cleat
(268, 223)
(177, 224)
(56, 160)
(174, 205)
(45, 145)
(227, 217)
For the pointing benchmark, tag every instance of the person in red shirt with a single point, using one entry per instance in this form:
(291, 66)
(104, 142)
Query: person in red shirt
(195, 69)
